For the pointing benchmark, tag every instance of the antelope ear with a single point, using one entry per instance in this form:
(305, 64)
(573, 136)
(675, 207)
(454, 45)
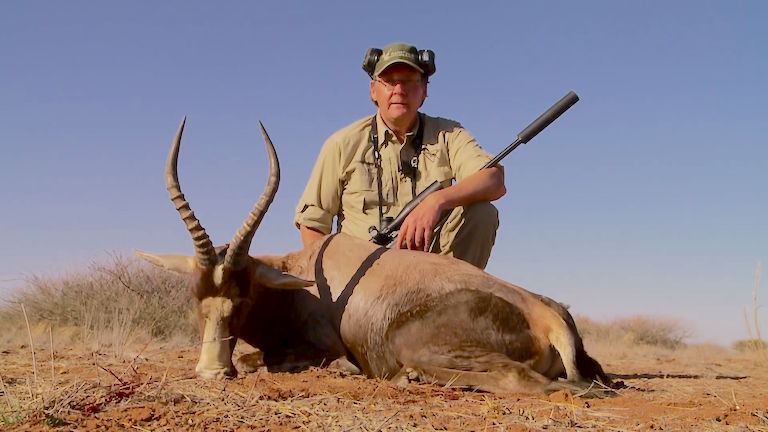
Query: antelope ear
(182, 264)
(272, 278)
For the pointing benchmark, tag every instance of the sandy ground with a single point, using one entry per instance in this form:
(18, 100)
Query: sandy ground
(152, 387)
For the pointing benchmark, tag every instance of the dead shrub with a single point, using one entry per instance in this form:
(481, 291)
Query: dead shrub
(744, 345)
(111, 302)
(635, 330)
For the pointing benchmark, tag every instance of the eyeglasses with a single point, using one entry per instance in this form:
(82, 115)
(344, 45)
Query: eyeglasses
(391, 83)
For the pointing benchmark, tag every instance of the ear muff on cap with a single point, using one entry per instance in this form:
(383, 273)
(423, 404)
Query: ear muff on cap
(372, 57)
(427, 60)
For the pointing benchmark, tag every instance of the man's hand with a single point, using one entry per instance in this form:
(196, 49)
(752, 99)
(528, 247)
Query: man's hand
(416, 230)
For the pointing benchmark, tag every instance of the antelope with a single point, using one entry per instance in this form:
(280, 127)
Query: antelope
(395, 314)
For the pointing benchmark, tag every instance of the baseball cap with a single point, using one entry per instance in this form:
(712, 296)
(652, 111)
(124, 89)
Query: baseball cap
(398, 53)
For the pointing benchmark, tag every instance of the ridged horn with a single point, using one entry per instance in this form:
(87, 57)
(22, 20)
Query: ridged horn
(204, 251)
(237, 253)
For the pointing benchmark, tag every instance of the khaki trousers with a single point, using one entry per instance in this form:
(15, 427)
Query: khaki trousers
(469, 233)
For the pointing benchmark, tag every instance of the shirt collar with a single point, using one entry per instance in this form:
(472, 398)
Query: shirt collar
(383, 127)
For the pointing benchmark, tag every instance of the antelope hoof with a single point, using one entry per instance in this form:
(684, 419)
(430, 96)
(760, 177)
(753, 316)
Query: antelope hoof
(407, 376)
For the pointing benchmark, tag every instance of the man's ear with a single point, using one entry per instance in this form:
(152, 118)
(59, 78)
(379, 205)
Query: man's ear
(269, 277)
(182, 264)
(373, 92)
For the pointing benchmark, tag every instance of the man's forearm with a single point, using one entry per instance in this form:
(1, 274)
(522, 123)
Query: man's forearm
(484, 185)
(309, 235)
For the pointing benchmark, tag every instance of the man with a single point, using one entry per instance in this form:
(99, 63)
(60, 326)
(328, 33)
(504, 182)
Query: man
(360, 176)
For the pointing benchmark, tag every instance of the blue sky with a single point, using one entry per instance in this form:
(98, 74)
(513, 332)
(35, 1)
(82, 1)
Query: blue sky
(647, 197)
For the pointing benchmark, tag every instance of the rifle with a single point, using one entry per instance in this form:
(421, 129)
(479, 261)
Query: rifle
(387, 233)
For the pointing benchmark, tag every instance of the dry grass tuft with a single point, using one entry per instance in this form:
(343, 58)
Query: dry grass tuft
(755, 343)
(749, 345)
(635, 330)
(112, 303)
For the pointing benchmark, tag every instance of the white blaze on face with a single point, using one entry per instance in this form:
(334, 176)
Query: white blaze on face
(216, 356)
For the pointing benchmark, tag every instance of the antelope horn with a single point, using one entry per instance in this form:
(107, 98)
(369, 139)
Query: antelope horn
(237, 252)
(206, 256)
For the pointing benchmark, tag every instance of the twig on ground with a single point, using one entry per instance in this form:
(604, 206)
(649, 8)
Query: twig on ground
(717, 395)
(111, 373)
(162, 382)
(253, 387)
(31, 343)
(146, 382)
(585, 391)
(452, 381)
(384, 423)
(98, 375)
(29, 387)
(53, 365)
(137, 356)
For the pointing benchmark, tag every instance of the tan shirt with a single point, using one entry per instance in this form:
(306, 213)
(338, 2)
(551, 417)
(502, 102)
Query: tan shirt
(343, 182)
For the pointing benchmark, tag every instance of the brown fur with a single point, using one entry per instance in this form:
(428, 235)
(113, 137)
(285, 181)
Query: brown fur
(424, 310)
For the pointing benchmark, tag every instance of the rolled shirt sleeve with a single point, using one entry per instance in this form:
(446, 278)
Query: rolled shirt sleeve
(321, 198)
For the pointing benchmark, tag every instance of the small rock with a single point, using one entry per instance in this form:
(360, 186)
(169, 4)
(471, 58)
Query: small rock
(140, 414)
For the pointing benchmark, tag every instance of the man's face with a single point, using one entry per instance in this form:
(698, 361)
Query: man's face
(399, 91)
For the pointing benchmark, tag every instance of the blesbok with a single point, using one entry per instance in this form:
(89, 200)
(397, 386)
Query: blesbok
(396, 314)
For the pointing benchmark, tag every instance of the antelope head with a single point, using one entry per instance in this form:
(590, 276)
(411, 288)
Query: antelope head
(223, 279)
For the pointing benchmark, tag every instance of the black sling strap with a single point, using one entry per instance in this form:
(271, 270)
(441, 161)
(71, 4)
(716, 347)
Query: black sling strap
(374, 139)
(411, 167)
(408, 167)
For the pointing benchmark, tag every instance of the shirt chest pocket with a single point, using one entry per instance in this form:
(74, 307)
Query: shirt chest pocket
(436, 166)
(362, 177)
(361, 191)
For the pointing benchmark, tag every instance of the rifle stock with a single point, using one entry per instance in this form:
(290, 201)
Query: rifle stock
(387, 234)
